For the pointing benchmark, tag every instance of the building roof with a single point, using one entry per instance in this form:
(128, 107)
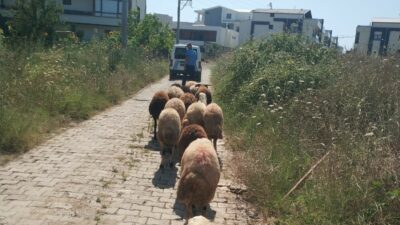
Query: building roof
(386, 20)
(283, 11)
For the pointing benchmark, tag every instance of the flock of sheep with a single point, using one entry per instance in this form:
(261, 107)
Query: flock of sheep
(187, 125)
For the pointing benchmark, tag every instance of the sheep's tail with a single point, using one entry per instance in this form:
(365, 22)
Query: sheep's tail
(188, 185)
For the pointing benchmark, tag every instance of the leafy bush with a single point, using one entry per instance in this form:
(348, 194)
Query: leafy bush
(346, 105)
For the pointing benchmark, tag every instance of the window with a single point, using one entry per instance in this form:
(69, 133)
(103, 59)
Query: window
(271, 27)
(378, 36)
(229, 16)
(272, 15)
(67, 2)
(357, 37)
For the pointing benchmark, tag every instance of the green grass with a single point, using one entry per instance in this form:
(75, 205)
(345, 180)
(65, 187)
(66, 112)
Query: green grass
(349, 105)
(42, 89)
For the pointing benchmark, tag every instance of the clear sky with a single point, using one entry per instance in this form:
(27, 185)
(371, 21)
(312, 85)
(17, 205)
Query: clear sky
(341, 16)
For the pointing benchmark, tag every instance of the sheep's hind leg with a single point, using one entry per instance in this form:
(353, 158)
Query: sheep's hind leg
(155, 129)
(204, 211)
(189, 211)
(215, 144)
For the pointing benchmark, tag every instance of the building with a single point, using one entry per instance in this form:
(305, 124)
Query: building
(381, 37)
(201, 35)
(266, 22)
(88, 18)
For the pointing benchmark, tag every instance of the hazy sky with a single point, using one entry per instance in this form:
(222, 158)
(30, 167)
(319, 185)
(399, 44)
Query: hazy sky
(341, 16)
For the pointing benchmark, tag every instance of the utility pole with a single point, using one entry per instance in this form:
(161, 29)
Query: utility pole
(124, 24)
(178, 22)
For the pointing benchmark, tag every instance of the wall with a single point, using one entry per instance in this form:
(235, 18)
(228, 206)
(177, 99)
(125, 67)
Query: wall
(394, 42)
(212, 17)
(362, 46)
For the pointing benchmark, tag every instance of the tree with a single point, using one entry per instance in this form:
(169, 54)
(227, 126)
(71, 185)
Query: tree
(35, 20)
(149, 33)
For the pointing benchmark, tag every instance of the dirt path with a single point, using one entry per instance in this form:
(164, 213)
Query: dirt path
(103, 172)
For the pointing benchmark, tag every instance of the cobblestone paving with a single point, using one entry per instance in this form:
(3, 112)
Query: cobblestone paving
(104, 171)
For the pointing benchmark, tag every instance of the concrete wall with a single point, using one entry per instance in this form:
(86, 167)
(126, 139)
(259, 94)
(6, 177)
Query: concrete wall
(212, 17)
(364, 34)
(394, 42)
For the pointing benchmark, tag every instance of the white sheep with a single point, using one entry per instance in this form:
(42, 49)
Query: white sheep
(169, 128)
(194, 114)
(213, 122)
(174, 92)
(199, 220)
(178, 105)
(200, 173)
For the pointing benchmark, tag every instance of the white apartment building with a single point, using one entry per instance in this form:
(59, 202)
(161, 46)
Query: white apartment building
(88, 18)
(382, 37)
(266, 22)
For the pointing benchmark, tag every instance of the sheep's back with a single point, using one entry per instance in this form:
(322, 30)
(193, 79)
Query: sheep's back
(213, 121)
(200, 173)
(157, 103)
(188, 135)
(188, 99)
(178, 105)
(169, 127)
(195, 113)
(174, 92)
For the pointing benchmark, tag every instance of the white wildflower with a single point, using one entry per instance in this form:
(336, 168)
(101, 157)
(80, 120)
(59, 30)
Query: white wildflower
(263, 95)
(278, 88)
(309, 103)
(253, 117)
(309, 89)
(370, 134)
(301, 81)
(290, 82)
(280, 108)
(258, 124)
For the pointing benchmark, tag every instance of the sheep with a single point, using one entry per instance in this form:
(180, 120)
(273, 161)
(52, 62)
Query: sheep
(190, 83)
(199, 220)
(178, 105)
(193, 89)
(203, 98)
(194, 114)
(213, 122)
(200, 173)
(169, 128)
(188, 99)
(174, 92)
(205, 90)
(188, 135)
(184, 88)
(157, 104)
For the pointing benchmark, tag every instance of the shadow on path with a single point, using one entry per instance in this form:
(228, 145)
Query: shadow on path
(179, 210)
(165, 178)
(153, 145)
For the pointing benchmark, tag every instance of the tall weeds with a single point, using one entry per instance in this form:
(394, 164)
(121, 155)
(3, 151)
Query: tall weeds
(295, 103)
(42, 88)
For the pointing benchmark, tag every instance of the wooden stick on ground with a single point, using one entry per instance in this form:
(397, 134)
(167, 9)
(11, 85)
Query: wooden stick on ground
(307, 174)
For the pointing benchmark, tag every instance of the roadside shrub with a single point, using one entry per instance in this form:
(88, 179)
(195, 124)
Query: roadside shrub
(43, 88)
(347, 105)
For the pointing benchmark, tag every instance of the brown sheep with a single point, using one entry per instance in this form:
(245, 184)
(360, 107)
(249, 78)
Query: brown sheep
(188, 99)
(200, 173)
(174, 92)
(188, 135)
(157, 104)
(178, 105)
(213, 122)
(169, 128)
(205, 90)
